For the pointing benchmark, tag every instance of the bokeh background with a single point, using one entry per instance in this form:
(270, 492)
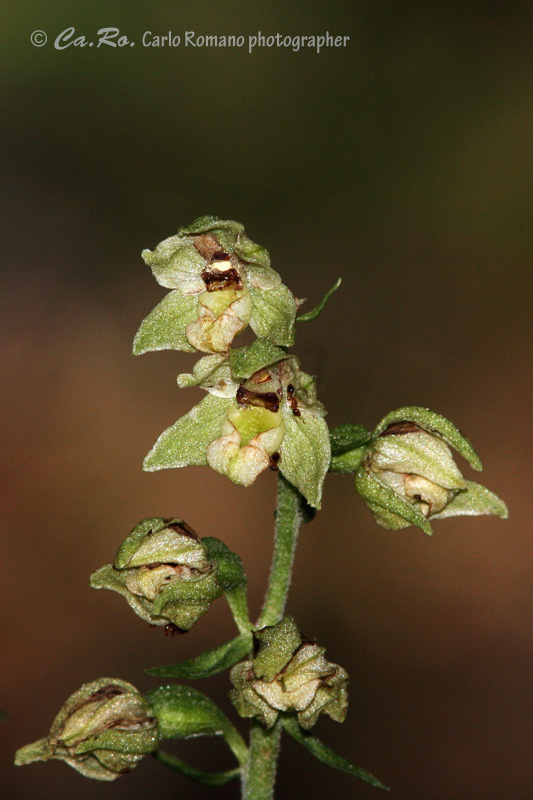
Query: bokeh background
(402, 163)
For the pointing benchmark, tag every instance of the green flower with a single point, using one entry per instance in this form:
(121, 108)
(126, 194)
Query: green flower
(256, 415)
(288, 673)
(407, 475)
(103, 730)
(221, 281)
(163, 571)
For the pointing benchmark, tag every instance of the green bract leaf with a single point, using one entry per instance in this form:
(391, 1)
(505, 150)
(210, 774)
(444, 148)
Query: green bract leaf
(164, 328)
(185, 442)
(232, 578)
(476, 500)
(182, 712)
(347, 437)
(207, 778)
(435, 423)
(348, 463)
(245, 361)
(251, 252)
(273, 314)
(209, 663)
(305, 453)
(381, 496)
(326, 755)
(311, 315)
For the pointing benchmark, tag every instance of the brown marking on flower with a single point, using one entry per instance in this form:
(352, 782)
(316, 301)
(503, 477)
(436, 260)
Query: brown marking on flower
(181, 527)
(207, 245)
(400, 428)
(172, 630)
(217, 279)
(268, 400)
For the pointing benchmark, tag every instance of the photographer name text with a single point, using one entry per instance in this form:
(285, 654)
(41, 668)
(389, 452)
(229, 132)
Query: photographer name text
(113, 37)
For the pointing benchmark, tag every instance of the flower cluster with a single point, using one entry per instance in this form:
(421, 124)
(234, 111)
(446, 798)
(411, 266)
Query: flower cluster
(261, 409)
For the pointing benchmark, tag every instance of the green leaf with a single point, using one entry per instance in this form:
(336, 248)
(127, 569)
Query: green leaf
(348, 463)
(245, 361)
(311, 315)
(476, 500)
(185, 442)
(376, 493)
(209, 663)
(164, 328)
(305, 453)
(435, 423)
(347, 437)
(232, 578)
(273, 314)
(182, 712)
(207, 778)
(326, 755)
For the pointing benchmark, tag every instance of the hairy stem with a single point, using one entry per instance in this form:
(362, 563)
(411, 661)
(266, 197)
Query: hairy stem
(259, 778)
(260, 775)
(288, 519)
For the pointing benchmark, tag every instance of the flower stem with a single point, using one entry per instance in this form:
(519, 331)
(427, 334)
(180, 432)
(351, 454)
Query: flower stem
(288, 519)
(259, 777)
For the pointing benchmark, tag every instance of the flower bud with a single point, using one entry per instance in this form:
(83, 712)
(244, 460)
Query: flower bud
(102, 731)
(163, 571)
(407, 473)
(288, 673)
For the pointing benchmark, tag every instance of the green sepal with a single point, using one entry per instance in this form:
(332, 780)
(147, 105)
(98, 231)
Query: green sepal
(213, 374)
(274, 646)
(273, 314)
(317, 310)
(348, 437)
(210, 224)
(376, 493)
(305, 453)
(165, 327)
(326, 755)
(244, 361)
(182, 712)
(434, 423)
(198, 775)
(209, 663)
(185, 443)
(176, 264)
(231, 578)
(251, 252)
(474, 501)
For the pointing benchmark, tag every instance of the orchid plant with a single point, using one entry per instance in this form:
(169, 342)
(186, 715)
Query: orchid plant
(260, 412)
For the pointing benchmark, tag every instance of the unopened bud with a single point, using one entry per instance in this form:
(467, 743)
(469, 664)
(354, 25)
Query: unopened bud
(163, 571)
(288, 673)
(103, 730)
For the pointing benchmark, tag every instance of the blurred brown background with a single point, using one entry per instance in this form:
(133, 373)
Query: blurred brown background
(403, 163)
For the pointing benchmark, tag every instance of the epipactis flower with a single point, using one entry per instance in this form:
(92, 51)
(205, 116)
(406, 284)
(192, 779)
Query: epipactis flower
(288, 673)
(221, 281)
(261, 411)
(103, 730)
(407, 475)
(163, 571)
